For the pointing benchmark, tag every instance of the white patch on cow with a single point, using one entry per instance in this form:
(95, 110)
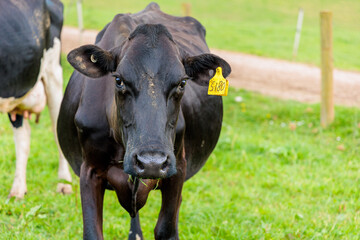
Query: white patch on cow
(35, 101)
(22, 146)
(137, 237)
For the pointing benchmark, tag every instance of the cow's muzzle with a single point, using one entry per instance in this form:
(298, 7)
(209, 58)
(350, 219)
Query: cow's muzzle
(151, 165)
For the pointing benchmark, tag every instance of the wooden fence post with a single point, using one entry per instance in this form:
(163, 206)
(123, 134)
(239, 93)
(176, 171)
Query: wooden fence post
(327, 81)
(186, 9)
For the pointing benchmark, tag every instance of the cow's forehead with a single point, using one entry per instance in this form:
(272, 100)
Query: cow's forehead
(143, 63)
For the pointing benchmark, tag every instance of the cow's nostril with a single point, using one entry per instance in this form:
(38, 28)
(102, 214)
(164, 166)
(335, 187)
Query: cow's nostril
(164, 165)
(151, 164)
(140, 164)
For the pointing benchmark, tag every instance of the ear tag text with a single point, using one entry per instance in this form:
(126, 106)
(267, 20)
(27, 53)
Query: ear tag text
(218, 85)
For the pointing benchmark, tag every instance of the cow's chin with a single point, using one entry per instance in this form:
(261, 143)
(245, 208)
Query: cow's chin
(151, 166)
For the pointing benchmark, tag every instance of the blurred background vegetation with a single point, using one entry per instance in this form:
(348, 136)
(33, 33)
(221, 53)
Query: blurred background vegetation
(261, 27)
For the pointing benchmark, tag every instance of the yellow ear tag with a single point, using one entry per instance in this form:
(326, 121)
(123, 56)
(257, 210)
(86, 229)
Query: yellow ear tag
(218, 85)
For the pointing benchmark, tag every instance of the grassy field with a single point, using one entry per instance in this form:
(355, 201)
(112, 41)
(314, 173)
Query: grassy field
(275, 174)
(261, 27)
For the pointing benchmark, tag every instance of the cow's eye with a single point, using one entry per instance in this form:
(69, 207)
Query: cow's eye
(119, 83)
(182, 84)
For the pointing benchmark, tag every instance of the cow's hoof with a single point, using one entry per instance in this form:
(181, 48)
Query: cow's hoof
(64, 188)
(17, 194)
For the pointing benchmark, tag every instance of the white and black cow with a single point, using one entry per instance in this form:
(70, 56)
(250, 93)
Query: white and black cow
(30, 75)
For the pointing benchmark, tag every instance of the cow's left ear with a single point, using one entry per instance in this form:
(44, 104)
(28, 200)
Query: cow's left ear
(198, 67)
(92, 61)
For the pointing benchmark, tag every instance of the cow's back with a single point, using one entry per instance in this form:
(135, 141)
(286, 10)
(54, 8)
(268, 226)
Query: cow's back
(187, 32)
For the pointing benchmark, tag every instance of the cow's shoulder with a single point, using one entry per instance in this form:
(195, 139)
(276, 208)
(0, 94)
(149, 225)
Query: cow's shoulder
(100, 35)
(115, 32)
(93, 103)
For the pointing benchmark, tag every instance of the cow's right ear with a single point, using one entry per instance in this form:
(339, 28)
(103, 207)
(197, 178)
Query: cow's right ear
(92, 61)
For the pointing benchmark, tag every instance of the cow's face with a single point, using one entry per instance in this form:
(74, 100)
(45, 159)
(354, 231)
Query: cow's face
(149, 76)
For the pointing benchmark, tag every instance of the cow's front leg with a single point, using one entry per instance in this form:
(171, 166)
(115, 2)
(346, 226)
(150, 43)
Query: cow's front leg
(92, 189)
(166, 227)
(22, 131)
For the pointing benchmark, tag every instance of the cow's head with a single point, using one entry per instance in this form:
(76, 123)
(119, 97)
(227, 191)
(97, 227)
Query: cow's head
(149, 75)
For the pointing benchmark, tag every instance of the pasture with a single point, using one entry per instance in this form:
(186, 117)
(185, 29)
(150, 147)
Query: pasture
(275, 174)
(261, 27)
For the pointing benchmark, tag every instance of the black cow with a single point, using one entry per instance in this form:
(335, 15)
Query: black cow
(30, 75)
(136, 120)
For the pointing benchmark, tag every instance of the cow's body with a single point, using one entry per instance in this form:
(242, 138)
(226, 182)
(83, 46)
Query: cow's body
(30, 75)
(98, 152)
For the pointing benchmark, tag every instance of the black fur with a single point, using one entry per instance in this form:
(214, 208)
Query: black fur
(55, 8)
(18, 122)
(152, 33)
(22, 44)
(197, 67)
(101, 33)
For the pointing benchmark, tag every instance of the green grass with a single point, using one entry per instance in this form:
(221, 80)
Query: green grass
(263, 181)
(261, 27)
